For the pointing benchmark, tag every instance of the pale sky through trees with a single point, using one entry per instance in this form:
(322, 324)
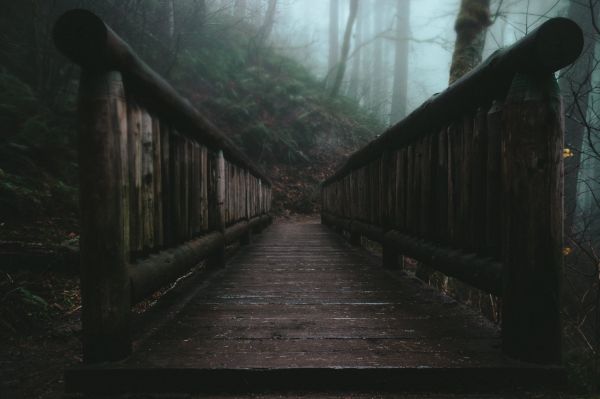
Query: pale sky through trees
(306, 23)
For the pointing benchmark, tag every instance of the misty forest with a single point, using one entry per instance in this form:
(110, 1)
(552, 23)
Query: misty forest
(341, 187)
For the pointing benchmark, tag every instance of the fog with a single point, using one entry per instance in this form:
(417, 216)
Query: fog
(302, 31)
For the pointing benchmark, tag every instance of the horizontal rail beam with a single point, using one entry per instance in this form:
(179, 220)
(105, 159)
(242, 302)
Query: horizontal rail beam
(158, 270)
(85, 39)
(482, 273)
(161, 269)
(554, 45)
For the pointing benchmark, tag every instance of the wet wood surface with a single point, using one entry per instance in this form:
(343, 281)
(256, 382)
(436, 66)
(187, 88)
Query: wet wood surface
(301, 297)
(301, 309)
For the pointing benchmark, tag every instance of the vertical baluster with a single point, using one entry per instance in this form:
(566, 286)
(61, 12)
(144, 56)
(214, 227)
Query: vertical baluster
(135, 177)
(478, 184)
(147, 182)
(494, 216)
(167, 212)
(158, 183)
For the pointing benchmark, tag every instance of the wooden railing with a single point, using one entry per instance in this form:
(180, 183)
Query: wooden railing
(161, 189)
(471, 184)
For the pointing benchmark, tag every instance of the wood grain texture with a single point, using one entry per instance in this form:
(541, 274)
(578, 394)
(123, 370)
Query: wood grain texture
(301, 297)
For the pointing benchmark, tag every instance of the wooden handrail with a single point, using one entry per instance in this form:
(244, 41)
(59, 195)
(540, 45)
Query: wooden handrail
(552, 46)
(161, 189)
(470, 184)
(89, 42)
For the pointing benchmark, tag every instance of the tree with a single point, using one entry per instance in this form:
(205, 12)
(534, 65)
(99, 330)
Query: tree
(576, 85)
(400, 87)
(334, 46)
(240, 9)
(167, 11)
(267, 27)
(378, 73)
(341, 67)
(471, 26)
(356, 62)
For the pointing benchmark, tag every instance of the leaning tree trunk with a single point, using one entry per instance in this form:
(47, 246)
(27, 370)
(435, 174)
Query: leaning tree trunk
(267, 27)
(576, 85)
(353, 86)
(400, 87)
(334, 46)
(378, 72)
(471, 25)
(341, 67)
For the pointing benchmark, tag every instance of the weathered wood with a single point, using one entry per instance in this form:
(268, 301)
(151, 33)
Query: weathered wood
(217, 259)
(554, 45)
(104, 281)
(167, 211)
(494, 210)
(186, 173)
(204, 193)
(478, 192)
(159, 239)
(236, 231)
(159, 270)
(442, 188)
(147, 182)
(134, 124)
(481, 273)
(532, 169)
(88, 41)
(300, 306)
(144, 185)
(175, 157)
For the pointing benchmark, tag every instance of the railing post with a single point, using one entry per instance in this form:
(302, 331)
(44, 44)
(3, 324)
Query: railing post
(105, 286)
(390, 255)
(532, 171)
(217, 259)
(247, 236)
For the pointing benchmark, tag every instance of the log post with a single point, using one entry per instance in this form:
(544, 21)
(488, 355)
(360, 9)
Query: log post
(105, 286)
(218, 220)
(247, 236)
(390, 255)
(532, 185)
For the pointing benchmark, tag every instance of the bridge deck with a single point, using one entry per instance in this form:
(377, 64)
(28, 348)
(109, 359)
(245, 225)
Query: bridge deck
(300, 297)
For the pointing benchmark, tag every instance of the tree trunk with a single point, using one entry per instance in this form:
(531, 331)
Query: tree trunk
(240, 9)
(400, 87)
(576, 85)
(366, 69)
(334, 45)
(267, 27)
(341, 67)
(471, 27)
(378, 73)
(353, 87)
(167, 16)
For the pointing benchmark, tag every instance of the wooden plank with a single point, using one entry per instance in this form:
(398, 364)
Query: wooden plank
(466, 166)
(159, 238)
(165, 149)
(147, 182)
(175, 159)
(441, 187)
(204, 193)
(478, 176)
(335, 313)
(494, 210)
(134, 123)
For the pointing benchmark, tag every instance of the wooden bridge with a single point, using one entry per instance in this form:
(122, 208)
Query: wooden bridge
(469, 184)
